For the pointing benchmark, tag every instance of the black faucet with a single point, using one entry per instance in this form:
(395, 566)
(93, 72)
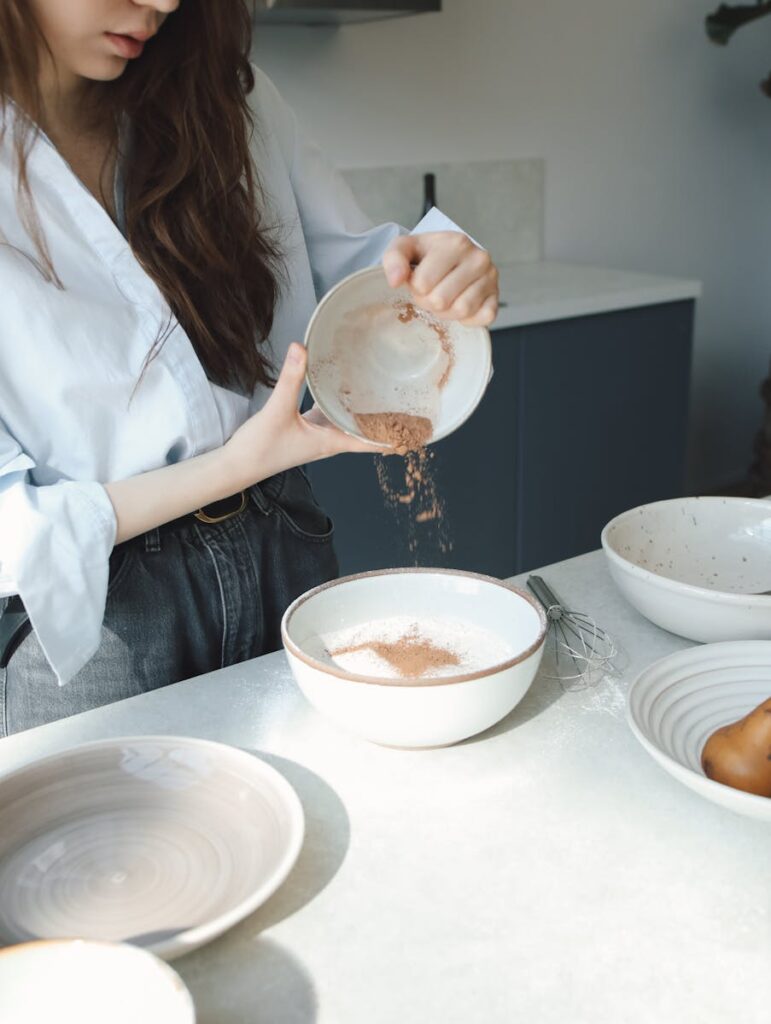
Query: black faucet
(429, 193)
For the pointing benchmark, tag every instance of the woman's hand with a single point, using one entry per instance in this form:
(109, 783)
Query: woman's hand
(279, 436)
(447, 275)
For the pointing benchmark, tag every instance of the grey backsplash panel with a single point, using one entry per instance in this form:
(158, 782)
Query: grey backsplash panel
(498, 202)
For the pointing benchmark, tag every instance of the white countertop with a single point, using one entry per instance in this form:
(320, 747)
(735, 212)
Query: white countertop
(536, 292)
(546, 872)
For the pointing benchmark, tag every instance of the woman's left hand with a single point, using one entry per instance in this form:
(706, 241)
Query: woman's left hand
(447, 275)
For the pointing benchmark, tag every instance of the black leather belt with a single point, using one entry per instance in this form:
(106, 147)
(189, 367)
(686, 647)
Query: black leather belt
(216, 512)
(219, 511)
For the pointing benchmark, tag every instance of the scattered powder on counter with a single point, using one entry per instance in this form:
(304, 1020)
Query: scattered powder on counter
(606, 697)
(402, 647)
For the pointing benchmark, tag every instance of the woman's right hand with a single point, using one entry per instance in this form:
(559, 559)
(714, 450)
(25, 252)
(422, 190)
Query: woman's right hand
(279, 436)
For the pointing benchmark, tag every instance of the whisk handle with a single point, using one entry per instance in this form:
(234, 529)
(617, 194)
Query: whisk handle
(543, 592)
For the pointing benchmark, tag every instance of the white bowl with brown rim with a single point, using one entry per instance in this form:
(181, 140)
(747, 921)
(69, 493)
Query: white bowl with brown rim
(372, 354)
(426, 710)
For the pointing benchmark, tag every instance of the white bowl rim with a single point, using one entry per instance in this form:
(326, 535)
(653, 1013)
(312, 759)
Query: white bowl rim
(168, 972)
(718, 596)
(356, 677)
(740, 795)
(201, 933)
(371, 271)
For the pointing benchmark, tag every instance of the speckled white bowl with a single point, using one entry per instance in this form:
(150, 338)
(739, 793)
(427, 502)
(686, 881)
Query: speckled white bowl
(676, 704)
(423, 712)
(387, 366)
(72, 981)
(696, 566)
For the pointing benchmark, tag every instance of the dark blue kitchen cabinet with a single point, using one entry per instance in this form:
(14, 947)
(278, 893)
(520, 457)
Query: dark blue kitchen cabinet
(583, 418)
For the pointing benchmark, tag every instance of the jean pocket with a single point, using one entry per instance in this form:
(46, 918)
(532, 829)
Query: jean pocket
(301, 512)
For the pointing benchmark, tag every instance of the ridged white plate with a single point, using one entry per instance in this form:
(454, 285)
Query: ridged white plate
(160, 841)
(676, 704)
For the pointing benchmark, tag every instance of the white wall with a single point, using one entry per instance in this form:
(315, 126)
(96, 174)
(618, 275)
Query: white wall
(657, 148)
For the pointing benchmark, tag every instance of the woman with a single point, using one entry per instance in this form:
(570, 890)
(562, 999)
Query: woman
(158, 258)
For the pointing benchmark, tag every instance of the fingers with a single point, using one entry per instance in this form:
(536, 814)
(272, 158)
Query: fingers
(291, 380)
(477, 305)
(397, 260)
(447, 274)
(486, 314)
(465, 290)
(409, 251)
(446, 251)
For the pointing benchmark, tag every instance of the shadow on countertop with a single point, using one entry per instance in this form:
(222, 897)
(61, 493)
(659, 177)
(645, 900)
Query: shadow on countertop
(254, 981)
(542, 694)
(244, 978)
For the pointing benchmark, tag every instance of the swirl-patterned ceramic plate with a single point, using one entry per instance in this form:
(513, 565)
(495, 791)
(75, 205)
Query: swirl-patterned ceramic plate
(678, 702)
(162, 841)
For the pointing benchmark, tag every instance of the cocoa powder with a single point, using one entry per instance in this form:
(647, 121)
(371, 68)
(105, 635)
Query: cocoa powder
(408, 485)
(403, 431)
(411, 656)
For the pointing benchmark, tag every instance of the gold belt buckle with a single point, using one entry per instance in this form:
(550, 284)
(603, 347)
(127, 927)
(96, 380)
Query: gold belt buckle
(206, 518)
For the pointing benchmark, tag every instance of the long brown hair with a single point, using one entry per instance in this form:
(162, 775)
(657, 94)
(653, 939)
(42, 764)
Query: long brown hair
(194, 206)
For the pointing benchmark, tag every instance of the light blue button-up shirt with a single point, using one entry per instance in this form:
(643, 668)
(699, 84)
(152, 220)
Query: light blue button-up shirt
(70, 359)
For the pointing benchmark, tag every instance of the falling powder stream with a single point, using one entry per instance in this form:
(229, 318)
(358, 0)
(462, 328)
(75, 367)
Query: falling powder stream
(410, 490)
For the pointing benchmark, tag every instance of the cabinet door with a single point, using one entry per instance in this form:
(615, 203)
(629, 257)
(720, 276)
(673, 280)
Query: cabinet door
(475, 473)
(602, 422)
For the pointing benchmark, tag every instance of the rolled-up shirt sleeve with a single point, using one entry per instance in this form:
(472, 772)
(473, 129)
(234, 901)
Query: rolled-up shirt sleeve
(55, 544)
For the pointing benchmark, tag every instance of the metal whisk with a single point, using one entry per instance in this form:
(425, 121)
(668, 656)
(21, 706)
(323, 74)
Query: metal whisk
(583, 651)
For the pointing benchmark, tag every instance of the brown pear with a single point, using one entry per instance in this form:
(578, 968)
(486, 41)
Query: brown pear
(739, 754)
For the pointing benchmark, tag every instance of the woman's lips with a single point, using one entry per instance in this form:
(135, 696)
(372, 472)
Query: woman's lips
(125, 46)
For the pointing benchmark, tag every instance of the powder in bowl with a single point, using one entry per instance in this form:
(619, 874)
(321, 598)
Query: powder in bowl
(399, 647)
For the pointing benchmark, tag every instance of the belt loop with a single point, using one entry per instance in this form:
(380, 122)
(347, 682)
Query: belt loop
(259, 499)
(153, 539)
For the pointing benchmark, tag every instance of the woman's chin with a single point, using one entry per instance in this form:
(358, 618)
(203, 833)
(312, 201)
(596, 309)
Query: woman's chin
(105, 69)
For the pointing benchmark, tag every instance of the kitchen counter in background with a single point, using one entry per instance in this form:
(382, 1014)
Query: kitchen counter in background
(542, 291)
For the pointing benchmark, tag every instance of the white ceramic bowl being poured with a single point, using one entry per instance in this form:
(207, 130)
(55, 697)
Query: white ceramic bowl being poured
(371, 350)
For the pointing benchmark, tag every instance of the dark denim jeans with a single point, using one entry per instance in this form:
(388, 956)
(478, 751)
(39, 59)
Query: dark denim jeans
(184, 599)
